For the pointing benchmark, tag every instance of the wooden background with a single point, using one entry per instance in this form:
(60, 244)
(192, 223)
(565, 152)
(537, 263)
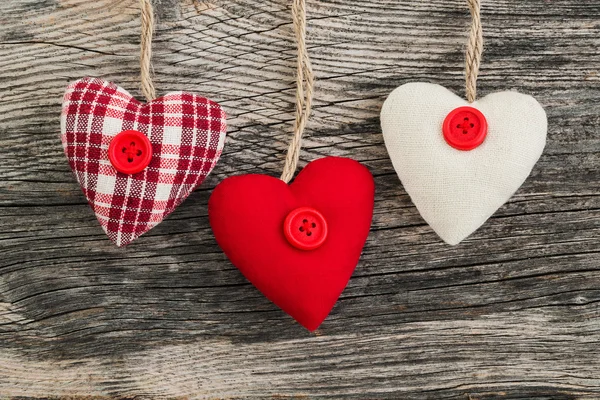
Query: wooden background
(512, 312)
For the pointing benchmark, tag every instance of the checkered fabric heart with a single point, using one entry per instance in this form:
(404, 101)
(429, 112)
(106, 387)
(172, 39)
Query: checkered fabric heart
(186, 132)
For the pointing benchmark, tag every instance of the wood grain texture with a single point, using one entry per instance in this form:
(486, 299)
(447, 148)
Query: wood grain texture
(513, 312)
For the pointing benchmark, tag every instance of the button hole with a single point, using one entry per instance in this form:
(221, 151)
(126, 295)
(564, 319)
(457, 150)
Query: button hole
(124, 150)
(472, 125)
(308, 233)
(301, 229)
(132, 144)
(304, 221)
(139, 153)
(314, 225)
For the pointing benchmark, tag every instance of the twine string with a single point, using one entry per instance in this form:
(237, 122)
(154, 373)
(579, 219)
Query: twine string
(474, 50)
(304, 90)
(147, 18)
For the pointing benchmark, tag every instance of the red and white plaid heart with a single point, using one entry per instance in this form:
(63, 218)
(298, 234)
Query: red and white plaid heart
(186, 135)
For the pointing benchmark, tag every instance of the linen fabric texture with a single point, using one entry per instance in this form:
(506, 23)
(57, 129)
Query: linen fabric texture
(247, 215)
(456, 191)
(186, 132)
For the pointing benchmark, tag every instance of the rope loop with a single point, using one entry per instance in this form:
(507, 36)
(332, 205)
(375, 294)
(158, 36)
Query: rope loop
(474, 50)
(304, 90)
(146, 50)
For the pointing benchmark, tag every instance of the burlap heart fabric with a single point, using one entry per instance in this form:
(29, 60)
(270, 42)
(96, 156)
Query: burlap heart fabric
(457, 191)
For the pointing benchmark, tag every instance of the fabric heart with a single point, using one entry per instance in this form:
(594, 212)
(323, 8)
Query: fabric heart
(186, 134)
(456, 191)
(248, 215)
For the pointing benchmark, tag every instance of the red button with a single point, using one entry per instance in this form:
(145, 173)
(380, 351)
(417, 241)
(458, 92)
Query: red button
(130, 152)
(305, 228)
(465, 128)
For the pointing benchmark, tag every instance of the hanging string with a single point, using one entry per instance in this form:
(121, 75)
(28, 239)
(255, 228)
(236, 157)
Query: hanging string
(304, 90)
(474, 50)
(146, 50)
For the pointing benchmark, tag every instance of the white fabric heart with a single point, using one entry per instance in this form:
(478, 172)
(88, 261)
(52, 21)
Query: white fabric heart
(457, 191)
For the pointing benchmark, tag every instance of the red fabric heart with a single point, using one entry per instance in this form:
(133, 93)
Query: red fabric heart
(247, 215)
(186, 133)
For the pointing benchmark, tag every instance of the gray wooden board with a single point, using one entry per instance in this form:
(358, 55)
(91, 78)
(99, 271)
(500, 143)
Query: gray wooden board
(512, 312)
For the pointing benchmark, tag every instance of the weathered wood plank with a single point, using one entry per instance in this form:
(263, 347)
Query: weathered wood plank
(513, 312)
